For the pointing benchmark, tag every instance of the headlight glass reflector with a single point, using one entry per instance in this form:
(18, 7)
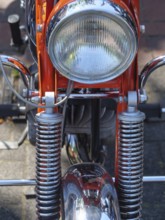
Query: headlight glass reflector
(90, 47)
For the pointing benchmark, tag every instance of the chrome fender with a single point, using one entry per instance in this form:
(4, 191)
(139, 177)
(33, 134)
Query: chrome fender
(89, 194)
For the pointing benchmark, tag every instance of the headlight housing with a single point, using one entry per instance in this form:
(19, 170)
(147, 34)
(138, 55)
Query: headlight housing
(91, 41)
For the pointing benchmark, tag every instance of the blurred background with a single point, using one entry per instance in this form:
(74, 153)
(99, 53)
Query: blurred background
(17, 203)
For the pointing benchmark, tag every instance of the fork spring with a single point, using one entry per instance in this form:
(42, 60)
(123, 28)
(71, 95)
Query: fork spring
(130, 163)
(48, 165)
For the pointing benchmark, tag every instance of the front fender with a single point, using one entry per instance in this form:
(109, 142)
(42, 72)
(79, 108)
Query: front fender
(89, 194)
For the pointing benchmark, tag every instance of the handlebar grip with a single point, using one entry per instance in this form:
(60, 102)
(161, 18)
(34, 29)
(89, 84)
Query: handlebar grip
(151, 110)
(9, 110)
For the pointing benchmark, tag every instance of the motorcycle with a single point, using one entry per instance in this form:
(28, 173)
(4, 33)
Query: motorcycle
(83, 92)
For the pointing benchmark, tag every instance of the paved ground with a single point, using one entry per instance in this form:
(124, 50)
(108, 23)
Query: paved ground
(20, 163)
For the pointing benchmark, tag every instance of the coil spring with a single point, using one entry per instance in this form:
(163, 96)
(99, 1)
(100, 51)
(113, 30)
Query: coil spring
(48, 166)
(130, 161)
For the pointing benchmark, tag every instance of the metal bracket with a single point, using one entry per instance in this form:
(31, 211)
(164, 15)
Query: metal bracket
(132, 101)
(49, 101)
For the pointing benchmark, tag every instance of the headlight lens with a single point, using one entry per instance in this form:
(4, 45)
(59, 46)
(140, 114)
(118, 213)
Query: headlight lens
(91, 46)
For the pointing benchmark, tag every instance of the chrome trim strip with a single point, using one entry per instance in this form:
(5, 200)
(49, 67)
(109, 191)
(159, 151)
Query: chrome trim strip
(94, 95)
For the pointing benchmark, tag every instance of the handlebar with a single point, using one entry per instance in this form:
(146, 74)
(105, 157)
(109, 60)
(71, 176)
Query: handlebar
(150, 68)
(151, 110)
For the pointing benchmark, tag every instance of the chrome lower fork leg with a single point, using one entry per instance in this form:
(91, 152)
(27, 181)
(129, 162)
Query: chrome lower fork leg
(48, 165)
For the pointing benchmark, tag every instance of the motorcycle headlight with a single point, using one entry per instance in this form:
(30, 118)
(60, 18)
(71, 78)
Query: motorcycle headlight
(91, 41)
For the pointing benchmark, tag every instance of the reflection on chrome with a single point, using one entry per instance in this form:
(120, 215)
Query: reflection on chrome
(150, 68)
(89, 194)
(72, 149)
(90, 213)
(17, 65)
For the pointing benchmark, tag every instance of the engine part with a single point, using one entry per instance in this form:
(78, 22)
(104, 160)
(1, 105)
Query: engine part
(78, 129)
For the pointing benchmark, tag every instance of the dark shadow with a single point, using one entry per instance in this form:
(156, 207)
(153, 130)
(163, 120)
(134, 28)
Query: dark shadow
(7, 214)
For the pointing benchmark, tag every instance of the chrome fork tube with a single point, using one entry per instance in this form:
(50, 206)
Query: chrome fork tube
(48, 165)
(130, 164)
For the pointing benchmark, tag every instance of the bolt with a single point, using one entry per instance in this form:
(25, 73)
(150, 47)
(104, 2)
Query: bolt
(142, 95)
(39, 28)
(142, 28)
(120, 99)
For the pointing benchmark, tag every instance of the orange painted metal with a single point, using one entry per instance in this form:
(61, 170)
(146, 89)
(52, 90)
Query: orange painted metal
(45, 67)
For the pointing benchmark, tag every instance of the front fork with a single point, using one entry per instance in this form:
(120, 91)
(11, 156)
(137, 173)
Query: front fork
(129, 172)
(129, 165)
(48, 164)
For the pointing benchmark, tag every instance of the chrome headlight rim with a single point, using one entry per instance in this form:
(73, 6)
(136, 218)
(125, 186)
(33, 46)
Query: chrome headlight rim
(113, 12)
